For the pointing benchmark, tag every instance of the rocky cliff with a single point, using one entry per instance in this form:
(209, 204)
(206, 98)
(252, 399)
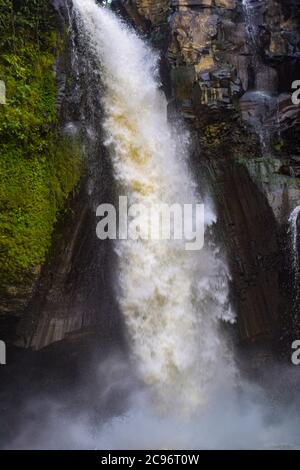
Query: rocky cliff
(227, 68)
(230, 67)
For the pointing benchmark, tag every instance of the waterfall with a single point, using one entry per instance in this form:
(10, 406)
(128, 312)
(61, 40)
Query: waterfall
(262, 101)
(251, 16)
(172, 299)
(293, 231)
(250, 23)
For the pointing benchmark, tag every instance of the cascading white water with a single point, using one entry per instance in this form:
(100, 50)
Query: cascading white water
(249, 17)
(265, 103)
(294, 235)
(293, 232)
(172, 299)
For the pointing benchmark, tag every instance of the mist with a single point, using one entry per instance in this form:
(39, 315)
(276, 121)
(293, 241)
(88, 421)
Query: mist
(242, 415)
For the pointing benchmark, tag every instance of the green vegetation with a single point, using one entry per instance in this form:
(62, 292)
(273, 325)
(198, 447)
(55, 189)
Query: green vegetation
(38, 168)
(215, 133)
(270, 161)
(278, 145)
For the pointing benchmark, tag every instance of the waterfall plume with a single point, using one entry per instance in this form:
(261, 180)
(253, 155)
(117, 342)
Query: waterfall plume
(172, 299)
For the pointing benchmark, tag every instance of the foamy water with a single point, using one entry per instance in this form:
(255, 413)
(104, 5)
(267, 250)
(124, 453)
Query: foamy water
(172, 299)
(293, 230)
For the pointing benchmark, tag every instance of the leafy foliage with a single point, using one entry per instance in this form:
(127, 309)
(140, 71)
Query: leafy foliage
(38, 169)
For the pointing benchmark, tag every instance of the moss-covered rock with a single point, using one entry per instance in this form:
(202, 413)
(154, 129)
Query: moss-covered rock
(38, 167)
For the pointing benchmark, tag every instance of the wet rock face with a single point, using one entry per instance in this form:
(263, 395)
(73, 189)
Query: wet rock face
(281, 29)
(153, 11)
(201, 41)
(232, 64)
(230, 47)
